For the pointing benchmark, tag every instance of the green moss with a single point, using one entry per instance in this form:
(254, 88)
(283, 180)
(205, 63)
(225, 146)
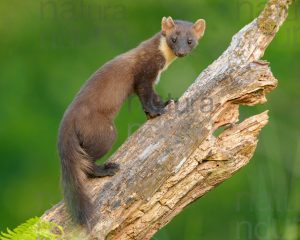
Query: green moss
(265, 23)
(267, 26)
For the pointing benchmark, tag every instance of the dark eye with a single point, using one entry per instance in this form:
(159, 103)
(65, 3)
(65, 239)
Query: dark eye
(174, 39)
(190, 41)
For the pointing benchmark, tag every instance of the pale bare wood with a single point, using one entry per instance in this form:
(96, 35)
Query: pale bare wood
(175, 159)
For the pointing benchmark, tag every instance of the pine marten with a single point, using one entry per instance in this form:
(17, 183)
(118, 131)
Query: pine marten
(87, 130)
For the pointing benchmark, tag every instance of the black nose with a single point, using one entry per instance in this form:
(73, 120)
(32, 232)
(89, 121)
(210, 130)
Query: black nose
(180, 54)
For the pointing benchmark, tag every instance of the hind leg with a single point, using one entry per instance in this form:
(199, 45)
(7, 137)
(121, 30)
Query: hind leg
(96, 144)
(99, 149)
(106, 169)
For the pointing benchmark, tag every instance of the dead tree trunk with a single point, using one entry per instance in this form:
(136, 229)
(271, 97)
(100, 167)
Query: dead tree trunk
(175, 159)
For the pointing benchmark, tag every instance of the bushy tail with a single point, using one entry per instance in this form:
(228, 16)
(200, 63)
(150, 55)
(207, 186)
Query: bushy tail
(75, 164)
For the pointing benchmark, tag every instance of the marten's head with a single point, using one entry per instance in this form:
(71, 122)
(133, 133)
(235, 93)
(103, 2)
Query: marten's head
(181, 36)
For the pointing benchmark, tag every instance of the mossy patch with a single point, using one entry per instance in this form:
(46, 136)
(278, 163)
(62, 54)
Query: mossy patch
(265, 23)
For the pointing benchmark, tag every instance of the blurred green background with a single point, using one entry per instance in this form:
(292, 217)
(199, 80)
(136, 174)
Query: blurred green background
(48, 49)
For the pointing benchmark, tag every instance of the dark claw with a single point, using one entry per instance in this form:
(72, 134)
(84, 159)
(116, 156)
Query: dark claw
(171, 101)
(111, 165)
(111, 168)
(155, 112)
(111, 172)
(107, 169)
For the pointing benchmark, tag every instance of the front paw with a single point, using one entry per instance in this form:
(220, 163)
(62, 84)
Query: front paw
(154, 112)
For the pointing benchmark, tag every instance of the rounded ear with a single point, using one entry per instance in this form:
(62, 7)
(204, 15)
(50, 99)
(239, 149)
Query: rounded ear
(167, 24)
(199, 27)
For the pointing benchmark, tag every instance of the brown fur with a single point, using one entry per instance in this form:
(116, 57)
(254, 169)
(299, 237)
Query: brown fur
(87, 130)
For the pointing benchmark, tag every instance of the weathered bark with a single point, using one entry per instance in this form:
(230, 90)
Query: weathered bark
(173, 160)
